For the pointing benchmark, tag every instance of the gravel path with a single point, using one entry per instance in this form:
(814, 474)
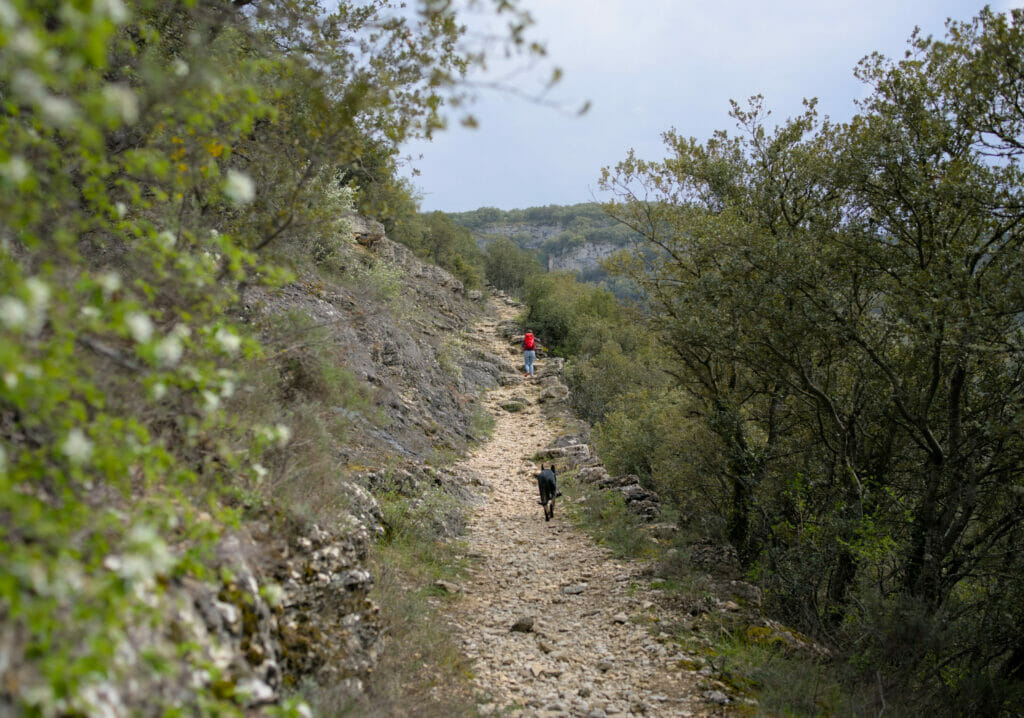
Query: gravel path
(589, 651)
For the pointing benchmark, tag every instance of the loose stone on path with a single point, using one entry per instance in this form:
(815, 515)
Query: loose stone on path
(545, 615)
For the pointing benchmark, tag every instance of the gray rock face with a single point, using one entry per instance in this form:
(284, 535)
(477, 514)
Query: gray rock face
(537, 233)
(581, 258)
(532, 236)
(365, 230)
(415, 365)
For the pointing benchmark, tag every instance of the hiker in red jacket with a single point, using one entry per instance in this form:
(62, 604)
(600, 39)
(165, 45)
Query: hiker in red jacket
(529, 352)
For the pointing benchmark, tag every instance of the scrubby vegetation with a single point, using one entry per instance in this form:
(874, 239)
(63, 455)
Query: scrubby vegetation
(829, 374)
(435, 238)
(508, 266)
(158, 160)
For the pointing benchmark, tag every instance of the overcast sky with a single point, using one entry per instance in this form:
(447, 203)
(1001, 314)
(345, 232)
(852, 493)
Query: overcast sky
(651, 65)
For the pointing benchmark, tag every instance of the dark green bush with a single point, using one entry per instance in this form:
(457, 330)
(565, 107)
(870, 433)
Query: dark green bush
(507, 267)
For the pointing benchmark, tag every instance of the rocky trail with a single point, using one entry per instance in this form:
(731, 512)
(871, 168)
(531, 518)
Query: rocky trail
(554, 624)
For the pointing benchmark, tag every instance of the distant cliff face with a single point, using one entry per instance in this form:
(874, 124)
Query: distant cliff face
(578, 256)
(529, 236)
(573, 238)
(581, 258)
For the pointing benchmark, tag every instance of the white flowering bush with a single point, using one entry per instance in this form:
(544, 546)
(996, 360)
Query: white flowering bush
(156, 157)
(96, 350)
(324, 245)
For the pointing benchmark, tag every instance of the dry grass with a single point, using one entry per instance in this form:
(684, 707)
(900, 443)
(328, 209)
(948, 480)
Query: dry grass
(302, 386)
(421, 671)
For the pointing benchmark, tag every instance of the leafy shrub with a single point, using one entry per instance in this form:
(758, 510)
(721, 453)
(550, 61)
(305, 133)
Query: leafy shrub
(383, 281)
(507, 267)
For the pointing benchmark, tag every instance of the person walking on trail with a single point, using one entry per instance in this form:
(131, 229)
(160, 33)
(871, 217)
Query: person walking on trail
(529, 352)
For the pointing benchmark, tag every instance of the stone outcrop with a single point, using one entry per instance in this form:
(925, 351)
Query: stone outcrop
(582, 257)
(367, 232)
(533, 235)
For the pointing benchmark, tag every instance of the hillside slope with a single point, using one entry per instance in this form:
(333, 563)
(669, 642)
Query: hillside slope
(371, 381)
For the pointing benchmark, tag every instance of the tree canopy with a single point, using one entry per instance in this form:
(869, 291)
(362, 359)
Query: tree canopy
(843, 307)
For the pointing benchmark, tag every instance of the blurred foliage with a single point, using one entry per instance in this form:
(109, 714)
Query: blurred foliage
(155, 159)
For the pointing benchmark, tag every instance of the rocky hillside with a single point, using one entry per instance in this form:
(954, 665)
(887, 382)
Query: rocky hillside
(411, 354)
(376, 385)
(284, 605)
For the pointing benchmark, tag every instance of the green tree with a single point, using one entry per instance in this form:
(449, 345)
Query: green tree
(452, 247)
(843, 305)
(720, 223)
(507, 267)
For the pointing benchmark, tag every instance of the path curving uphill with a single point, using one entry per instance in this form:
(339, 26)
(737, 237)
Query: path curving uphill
(582, 646)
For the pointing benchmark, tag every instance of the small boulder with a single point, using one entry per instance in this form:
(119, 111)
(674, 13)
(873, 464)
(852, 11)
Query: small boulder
(447, 587)
(717, 697)
(523, 625)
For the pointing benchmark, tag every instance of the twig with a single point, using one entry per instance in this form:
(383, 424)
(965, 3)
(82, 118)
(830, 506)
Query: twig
(881, 693)
(111, 353)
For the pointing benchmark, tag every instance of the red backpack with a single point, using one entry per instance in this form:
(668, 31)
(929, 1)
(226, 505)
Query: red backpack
(528, 341)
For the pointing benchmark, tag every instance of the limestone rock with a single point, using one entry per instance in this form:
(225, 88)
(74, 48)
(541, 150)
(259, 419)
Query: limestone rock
(717, 697)
(592, 474)
(556, 392)
(367, 232)
(448, 587)
(523, 624)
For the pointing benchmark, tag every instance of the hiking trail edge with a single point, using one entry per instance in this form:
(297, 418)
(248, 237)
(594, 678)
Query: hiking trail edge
(589, 651)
